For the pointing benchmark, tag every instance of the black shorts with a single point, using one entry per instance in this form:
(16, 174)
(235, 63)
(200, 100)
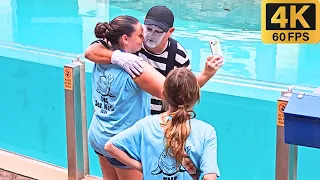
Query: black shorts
(113, 161)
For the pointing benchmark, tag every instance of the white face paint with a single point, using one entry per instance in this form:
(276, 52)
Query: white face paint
(152, 35)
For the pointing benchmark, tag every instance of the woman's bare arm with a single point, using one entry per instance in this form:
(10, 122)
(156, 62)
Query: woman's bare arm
(150, 80)
(210, 177)
(122, 156)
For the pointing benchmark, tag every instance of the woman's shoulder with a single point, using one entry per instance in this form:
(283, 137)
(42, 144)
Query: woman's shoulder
(111, 70)
(149, 125)
(204, 126)
(150, 119)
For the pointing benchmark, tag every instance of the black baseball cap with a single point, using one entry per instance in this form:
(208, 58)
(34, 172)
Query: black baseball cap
(160, 16)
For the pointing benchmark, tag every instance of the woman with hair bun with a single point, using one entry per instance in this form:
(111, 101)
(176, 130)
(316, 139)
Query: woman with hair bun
(119, 101)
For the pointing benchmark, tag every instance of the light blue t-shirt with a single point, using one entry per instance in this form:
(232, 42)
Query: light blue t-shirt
(118, 104)
(145, 142)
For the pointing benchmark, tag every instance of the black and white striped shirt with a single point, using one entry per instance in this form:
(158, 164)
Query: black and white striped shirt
(159, 62)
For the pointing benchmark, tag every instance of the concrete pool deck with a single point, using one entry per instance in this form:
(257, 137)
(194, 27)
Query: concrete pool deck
(17, 167)
(7, 175)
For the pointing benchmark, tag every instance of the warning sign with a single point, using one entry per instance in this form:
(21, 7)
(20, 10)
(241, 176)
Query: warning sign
(281, 106)
(68, 84)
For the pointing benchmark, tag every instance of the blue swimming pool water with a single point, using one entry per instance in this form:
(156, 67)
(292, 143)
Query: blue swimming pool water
(67, 25)
(32, 107)
(33, 121)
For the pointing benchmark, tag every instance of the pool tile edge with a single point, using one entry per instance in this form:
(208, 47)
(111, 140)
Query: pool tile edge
(33, 168)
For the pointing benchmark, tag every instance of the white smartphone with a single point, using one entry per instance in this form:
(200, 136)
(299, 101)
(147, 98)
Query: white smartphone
(215, 47)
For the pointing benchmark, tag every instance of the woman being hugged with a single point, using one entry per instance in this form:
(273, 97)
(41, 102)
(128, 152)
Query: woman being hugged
(172, 145)
(119, 101)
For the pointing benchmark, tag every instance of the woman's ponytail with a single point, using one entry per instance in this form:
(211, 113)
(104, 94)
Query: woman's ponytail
(177, 132)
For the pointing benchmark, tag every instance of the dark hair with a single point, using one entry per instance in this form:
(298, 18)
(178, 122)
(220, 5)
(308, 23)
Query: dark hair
(181, 91)
(113, 30)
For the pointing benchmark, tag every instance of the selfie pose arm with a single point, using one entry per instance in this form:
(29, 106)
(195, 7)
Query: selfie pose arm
(212, 65)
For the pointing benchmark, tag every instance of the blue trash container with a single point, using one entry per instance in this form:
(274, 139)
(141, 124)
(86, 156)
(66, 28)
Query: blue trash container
(302, 120)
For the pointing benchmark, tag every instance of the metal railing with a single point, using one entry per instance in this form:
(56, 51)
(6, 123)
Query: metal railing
(286, 154)
(76, 122)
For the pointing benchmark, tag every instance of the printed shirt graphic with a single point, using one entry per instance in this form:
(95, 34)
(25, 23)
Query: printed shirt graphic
(118, 104)
(167, 164)
(144, 142)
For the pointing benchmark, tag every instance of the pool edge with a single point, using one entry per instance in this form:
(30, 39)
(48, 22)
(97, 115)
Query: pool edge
(33, 168)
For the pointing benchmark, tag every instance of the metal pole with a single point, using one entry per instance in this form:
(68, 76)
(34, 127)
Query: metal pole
(84, 112)
(293, 162)
(285, 160)
(287, 154)
(74, 121)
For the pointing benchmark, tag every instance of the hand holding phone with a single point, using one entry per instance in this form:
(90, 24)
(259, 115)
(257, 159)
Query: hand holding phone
(215, 47)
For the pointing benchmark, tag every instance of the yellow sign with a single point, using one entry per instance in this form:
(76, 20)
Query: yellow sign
(281, 106)
(68, 83)
(290, 21)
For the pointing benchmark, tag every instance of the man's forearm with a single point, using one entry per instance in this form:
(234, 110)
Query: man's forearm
(98, 54)
(213, 63)
(203, 78)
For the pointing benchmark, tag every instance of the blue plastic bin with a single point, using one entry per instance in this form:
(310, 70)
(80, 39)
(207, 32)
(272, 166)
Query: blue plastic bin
(302, 120)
